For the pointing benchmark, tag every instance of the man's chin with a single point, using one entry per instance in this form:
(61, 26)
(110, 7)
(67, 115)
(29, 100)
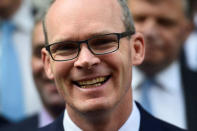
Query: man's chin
(56, 99)
(94, 106)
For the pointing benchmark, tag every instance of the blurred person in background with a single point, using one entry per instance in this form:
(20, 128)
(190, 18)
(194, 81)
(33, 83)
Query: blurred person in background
(53, 103)
(18, 96)
(162, 84)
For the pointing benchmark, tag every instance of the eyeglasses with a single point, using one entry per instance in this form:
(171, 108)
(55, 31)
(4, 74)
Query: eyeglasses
(98, 45)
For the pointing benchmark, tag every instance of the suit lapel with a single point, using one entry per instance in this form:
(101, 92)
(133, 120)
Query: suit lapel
(57, 125)
(189, 79)
(147, 122)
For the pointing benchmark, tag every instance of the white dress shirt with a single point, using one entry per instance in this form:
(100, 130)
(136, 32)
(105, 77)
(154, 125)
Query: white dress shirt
(190, 48)
(23, 21)
(167, 102)
(133, 122)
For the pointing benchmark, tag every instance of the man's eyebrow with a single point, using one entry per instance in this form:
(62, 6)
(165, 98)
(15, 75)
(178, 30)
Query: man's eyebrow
(39, 45)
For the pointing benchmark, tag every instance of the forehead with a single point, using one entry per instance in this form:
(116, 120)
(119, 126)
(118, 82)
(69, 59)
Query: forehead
(38, 36)
(170, 8)
(78, 18)
(174, 3)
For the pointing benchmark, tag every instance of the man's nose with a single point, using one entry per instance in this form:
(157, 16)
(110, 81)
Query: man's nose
(86, 58)
(150, 28)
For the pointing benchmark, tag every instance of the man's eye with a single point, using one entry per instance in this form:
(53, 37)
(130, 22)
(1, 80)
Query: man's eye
(139, 18)
(167, 22)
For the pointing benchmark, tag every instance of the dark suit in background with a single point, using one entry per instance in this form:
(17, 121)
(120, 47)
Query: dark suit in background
(3, 121)
(190, 83)
(29, 124)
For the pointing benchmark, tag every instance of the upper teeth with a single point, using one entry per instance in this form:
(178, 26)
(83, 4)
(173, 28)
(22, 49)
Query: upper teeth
(93, 81)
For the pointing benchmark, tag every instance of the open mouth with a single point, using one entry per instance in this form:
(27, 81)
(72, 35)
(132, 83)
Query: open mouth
(92, 83)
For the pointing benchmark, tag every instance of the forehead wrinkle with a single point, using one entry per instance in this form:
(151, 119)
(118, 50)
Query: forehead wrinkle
(82, 19)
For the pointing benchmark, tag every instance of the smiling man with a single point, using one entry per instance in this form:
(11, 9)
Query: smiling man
(91, 48)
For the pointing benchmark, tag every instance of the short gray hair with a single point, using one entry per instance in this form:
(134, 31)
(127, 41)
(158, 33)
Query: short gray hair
(127, 20)
(40, 7)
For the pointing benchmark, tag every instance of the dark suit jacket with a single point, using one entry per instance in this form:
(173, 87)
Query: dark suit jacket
(29, 124)
(147, 123)
(3, 121)
(189, 79)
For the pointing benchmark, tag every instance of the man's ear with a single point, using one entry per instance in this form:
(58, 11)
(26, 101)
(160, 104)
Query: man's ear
(46, 62)
(188, 27)
(138, 48)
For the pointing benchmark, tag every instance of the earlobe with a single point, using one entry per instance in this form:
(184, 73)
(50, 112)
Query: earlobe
(46, 62)
(138, 49)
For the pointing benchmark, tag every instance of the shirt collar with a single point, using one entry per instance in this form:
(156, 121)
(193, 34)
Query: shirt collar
(44, 118)
(169, 78)
(68, 124)
(133, 121)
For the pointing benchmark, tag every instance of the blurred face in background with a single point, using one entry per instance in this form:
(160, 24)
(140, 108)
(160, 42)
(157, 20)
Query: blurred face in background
(46, 88)
(165, 28)
(8, 7)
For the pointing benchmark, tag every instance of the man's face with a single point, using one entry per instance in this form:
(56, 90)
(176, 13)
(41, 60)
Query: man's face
(46, 87)
(68, 20)
(6, 3)
(165, 28)
(8, 6)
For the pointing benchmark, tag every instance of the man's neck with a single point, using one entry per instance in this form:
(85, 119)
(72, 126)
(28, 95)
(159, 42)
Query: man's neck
(54, 110)
(104, 120)
(151, 70)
